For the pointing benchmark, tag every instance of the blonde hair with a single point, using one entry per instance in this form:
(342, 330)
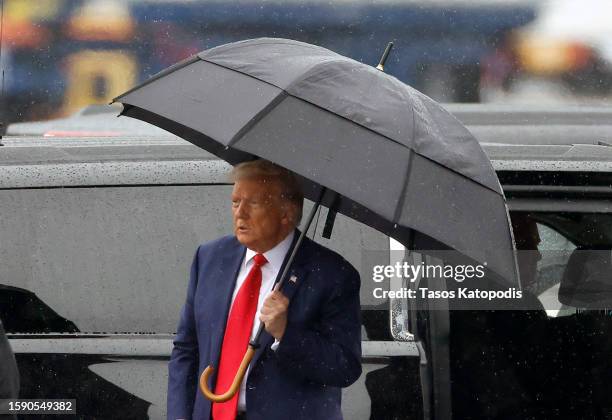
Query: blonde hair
(260, 168)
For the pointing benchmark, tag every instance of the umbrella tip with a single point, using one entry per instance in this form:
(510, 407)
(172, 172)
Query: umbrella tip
(383, 59)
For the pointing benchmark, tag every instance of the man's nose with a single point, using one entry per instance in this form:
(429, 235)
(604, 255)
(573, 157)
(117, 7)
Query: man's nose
(241, 210)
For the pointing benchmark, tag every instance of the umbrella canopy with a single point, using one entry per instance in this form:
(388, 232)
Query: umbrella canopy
(396, 159)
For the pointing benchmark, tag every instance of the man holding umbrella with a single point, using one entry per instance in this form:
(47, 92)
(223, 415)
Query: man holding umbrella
(311, 346)
(363, 144)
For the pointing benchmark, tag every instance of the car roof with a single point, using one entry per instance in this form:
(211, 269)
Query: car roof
(541, 138)
(536, 124)
(555, 158)
(27, 162)
(572, 139)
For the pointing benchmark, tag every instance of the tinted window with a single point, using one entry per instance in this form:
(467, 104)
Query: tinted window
(117, 259)
(107, 259)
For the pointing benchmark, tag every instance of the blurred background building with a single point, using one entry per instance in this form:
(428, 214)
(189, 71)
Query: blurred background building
(61, 55)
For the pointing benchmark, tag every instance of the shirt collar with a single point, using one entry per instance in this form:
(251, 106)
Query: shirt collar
(276, 255)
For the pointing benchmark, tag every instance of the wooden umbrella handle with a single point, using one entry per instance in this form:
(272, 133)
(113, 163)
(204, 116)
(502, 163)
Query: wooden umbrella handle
(234, 387)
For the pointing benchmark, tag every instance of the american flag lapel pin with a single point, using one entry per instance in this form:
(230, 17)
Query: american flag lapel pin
(293, 278)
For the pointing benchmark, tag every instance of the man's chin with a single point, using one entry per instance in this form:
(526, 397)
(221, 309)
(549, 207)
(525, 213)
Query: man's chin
(243, 238)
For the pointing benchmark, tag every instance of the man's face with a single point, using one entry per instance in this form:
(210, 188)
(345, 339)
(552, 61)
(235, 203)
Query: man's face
(261, 218)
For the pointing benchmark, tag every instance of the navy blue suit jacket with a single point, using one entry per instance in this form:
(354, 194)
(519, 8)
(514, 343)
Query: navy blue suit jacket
(319, 353)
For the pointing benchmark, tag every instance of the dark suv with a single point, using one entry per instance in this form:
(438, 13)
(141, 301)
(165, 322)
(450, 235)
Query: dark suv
(97, 234)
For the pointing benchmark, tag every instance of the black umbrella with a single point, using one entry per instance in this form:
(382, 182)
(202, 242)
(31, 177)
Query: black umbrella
(385, 154)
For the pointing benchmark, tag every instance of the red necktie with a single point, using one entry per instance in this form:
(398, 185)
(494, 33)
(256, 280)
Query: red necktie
(236, 338)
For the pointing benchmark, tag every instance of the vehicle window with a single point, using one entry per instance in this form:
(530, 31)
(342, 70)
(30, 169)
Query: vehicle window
(569, 350)
(566, 246)
(103, 260)
(551, 249)
(555, 250)
(116, 260)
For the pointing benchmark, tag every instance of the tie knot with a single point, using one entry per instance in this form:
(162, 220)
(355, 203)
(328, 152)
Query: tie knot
(259, 260)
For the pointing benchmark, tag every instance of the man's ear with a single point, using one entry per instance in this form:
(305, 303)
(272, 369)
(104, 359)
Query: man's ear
(289, 214)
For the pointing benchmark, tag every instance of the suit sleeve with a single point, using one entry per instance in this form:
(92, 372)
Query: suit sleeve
(329, 352)
(183, 366)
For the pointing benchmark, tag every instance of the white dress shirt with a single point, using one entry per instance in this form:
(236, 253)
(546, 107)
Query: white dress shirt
(269, 271)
